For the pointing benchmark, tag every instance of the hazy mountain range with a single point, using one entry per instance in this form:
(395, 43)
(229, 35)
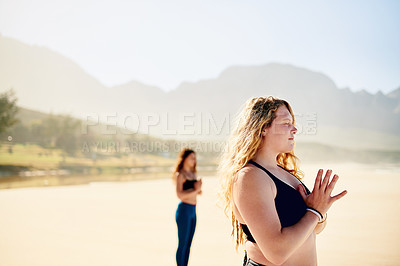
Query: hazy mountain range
(46, 81)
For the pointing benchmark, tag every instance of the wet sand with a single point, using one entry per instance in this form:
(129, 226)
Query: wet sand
(133, 223)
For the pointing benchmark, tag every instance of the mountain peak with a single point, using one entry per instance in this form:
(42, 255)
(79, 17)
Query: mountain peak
(274, 75)
(395, 94)
(135, 85)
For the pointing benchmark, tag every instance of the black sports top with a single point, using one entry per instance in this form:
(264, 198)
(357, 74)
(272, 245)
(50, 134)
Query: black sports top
(289, 204)
(188, 184)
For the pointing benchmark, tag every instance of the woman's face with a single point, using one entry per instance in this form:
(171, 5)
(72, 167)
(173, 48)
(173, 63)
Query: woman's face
(190, 161)
(280, 135)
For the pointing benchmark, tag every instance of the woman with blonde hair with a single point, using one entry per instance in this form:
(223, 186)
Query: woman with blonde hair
(261, 187)
(187, 189)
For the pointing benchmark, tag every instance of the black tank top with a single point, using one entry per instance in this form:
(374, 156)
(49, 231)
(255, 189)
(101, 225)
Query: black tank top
(188, 184)
(289, 204)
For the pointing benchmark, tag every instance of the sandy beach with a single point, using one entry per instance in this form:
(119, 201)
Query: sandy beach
(133, 223)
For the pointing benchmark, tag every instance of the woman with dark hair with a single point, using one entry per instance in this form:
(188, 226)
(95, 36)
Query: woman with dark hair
(187, 189)
(272, 211)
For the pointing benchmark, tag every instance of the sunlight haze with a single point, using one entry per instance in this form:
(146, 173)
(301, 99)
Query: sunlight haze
(164, 43)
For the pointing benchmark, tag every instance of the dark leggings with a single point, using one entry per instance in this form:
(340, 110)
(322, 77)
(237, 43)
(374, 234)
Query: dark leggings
(186, 221)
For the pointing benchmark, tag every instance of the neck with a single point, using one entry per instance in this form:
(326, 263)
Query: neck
(266, 158)
(187, 168)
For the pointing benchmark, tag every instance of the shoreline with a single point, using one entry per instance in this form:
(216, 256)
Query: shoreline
(15, 182)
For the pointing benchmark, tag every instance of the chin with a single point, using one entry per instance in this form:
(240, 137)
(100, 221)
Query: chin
(290, 149)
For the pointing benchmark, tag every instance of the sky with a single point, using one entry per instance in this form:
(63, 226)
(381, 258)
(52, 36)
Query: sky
(164, 43)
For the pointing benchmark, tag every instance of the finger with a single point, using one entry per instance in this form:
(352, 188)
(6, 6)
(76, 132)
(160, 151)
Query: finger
(332, 184)
(302, 191)
(326, 179)
(317, 183)
(339, 196)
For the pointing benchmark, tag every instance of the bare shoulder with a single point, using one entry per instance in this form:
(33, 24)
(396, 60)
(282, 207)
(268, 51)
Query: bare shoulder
(253, 192)
(180, 177)
(250, 176)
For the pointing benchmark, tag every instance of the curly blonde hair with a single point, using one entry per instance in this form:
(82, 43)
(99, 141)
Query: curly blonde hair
(244, 142)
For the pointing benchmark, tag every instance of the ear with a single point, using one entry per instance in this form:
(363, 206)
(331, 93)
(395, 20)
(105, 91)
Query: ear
(264, 132)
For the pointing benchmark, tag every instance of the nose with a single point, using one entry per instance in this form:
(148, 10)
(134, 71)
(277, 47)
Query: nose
(294, 130)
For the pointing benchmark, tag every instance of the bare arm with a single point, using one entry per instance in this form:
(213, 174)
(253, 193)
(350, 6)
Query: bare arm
(254, 197)
(255, 202)
(186, 194)
(320, 227)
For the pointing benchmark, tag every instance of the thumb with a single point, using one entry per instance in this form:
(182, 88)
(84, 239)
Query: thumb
(302, 191)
